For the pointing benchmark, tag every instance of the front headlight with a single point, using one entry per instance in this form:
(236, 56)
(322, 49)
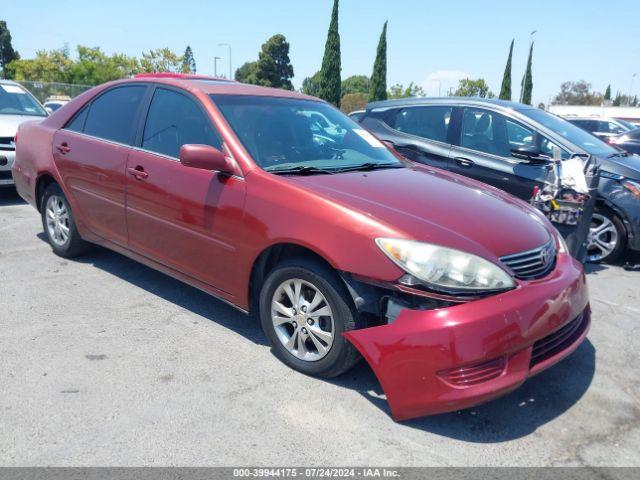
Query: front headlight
(445, 269)
(633, 187)
(562, 243)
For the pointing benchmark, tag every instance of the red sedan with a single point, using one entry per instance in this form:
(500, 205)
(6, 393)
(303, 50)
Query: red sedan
(277, 203)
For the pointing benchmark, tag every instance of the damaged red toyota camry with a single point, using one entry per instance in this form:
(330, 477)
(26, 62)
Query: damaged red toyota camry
(273, 201)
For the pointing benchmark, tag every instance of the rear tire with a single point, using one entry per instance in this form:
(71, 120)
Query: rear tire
(59, 224)
(304, 312)
(607, 237)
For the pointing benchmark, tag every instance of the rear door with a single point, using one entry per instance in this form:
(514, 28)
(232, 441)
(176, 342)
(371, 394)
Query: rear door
(91, 155)
(483, 152)
(420, 133)
(184, 218)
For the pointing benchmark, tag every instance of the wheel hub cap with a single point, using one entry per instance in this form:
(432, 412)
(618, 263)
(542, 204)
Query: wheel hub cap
(302, 319)
(602, 239)
(57, 220)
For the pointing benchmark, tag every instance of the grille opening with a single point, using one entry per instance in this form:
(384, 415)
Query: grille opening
(474, 374)
(532, 264)
(556, 342)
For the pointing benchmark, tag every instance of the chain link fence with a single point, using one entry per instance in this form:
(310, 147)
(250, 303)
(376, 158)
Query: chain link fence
(45, 90)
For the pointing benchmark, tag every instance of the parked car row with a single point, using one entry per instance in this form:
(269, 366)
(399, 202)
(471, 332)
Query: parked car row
(455, 292)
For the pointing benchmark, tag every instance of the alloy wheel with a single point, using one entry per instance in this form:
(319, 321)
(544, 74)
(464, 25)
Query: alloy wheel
(302, 319)
(57, 218)
(602, 239)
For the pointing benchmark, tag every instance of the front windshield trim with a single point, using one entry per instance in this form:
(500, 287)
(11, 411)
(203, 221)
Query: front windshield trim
(289, 132)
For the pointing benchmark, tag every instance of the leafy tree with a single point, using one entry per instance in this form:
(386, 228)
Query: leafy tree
(354, 84)
(527, 80)
(607, 93)
(542, 106)
(94, 67)
(7, 53)
(160, 60)
(330, 72)
(505, 89)
(247, 73)
(188, 62)
(378, 87)
(47, 66)
(577, 93)
(274, 67)
(311, 85)
(353, 101)
(399, 91)
(468, 87)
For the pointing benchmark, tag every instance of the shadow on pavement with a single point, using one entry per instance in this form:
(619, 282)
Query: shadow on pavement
(540, 400)
(9, 196)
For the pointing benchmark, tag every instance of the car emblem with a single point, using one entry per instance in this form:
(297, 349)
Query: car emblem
(544, 257)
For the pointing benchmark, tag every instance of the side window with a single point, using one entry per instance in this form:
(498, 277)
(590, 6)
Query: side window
(112, 115)
(431, 122)
(77, 123)
(175, 120)
(547, 146)
(613, 128)
(518, 135)
(479, 129)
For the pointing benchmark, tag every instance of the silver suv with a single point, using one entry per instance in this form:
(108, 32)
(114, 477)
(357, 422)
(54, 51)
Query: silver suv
(16, 106)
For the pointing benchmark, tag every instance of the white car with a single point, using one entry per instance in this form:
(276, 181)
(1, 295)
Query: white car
(53, 105)
(16, 106)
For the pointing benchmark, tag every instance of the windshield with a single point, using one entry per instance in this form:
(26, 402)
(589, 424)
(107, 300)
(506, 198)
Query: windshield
(575, 135)
(628, 125)
(15, 100)
(289, 133)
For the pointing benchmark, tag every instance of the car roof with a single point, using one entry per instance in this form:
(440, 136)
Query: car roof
(470, 101)
(219, 86)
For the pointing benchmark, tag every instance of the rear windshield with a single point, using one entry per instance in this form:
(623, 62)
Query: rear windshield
(587, 142)
(288, 133)
(15, 100)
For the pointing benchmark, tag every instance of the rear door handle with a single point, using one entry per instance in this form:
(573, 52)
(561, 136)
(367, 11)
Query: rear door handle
(464, 162)
(138, 172)
(63, 148)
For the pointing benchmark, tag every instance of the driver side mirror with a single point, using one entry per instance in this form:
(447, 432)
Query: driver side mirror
(205, 157)
(529, 153)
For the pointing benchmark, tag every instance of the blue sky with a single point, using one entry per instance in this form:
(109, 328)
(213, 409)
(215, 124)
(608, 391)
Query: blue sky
(427, 40)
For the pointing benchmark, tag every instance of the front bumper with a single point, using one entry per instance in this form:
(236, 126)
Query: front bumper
(434, 361)
(5, 167)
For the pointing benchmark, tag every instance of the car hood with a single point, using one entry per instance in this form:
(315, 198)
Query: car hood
(9, 123)
(628, 166)
(435, 206)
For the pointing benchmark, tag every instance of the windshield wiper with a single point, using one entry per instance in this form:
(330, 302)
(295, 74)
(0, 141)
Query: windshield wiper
(302, 170)
(369, 166)
(618, 154)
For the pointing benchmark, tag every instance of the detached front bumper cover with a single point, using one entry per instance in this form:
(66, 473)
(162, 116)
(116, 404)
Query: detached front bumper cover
(434, 361)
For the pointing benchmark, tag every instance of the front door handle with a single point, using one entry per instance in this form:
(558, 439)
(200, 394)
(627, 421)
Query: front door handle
(138, 172)
(63, 148)
(464, 162)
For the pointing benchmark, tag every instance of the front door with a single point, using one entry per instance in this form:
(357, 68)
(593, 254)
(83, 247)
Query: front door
(182, 217)
(483, 152)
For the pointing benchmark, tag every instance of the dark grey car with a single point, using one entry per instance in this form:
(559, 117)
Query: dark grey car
(483, 139)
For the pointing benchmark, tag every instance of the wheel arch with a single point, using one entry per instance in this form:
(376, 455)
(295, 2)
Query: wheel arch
(43, 181)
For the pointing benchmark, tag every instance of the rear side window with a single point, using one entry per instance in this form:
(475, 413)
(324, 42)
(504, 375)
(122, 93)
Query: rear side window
(113, 114)
(431, 122)
(174, 120)
(77, 124)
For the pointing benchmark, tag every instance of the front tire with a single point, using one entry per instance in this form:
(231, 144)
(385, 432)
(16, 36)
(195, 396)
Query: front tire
(59, 224)
(607, 239)
(304, 312)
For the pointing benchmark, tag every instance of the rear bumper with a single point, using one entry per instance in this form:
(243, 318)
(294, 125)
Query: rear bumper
(434, 361)
(5, 167)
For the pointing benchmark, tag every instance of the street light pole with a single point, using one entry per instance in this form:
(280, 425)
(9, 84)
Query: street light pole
(215, 66)
(230, 63)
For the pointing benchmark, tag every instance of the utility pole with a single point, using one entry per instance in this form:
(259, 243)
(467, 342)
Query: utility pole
(215, 66)
(230, 63)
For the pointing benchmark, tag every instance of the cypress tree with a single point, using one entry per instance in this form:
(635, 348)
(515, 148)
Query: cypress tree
(378, 85)
(527, 81)
(505, 89)
(188, 62)
(330, 72)
(607, 93)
